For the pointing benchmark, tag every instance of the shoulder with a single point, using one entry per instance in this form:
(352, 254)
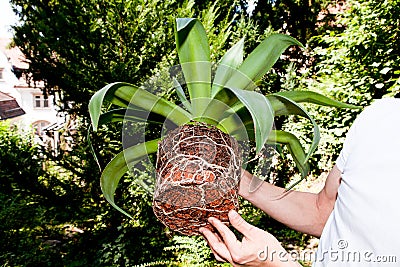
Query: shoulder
(381, 114)
(379, 121)
(382, 107)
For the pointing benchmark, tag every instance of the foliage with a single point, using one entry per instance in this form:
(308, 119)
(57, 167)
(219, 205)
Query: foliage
(75, 46)
(297, 18)
(356, 60)
(52, 218)
(26, 192)
(79, 46)
(359, 55)
(23, 165)
(191, 251)
(68, 41)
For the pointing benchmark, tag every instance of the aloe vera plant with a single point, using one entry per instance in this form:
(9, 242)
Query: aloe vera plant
(199, 161)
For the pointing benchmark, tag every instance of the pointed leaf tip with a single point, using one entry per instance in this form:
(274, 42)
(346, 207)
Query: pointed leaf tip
(194, 56)
(182, 23)
(261, 60)
(119, 165)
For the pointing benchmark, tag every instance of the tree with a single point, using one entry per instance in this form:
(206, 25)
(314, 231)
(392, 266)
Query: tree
(356, 60)
(76, 47)
(297, 18)
(362, 53)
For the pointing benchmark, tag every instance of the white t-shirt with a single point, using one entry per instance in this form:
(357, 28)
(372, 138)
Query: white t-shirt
(364, 227)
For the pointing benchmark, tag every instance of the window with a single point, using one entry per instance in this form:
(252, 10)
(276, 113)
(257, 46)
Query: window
(41, 102)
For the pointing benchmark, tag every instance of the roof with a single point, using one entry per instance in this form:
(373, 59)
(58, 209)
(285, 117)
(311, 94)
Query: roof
(19, 64)
(53, 127)
(14, 54)
(9, 107)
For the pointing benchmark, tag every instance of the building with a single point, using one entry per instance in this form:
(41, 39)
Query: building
(22, 102)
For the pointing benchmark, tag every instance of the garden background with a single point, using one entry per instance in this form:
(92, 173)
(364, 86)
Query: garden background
(52, 212)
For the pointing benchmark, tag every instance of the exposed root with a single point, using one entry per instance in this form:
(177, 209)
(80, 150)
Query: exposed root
(198, 173)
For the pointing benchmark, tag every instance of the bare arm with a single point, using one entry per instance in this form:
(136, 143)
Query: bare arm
(305, 212)
(302, 211)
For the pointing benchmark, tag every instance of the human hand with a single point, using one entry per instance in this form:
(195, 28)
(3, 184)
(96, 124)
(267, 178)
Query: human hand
(257, 248)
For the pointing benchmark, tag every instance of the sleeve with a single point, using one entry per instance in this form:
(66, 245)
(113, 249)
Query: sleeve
(348, 145)
(368, 124)
(352, 136)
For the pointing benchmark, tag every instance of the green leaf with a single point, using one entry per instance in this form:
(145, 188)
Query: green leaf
(227, 97)
(289, 107)
(285, 103)
(181, 95)
(228, 64)
(235, 121)
(260, 61)
(295, 149)
(92, 150)
(261, 113)
(213, 111)
(112, 116)
(243, 131)
(132, 115)
(122, 114)
(194, 56)
(309, 97)
(125, 94)
(120, 165)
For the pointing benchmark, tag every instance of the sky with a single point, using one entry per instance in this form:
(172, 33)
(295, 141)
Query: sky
(7, 18)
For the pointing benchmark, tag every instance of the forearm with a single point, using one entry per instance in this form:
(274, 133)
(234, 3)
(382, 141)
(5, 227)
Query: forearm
(298, 210)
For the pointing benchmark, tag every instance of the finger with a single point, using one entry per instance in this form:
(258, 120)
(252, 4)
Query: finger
(218, 247)
(240, 224)
(233, 245)
(217, 256)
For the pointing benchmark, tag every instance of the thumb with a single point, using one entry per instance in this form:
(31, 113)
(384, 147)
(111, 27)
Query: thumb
(240, 224)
